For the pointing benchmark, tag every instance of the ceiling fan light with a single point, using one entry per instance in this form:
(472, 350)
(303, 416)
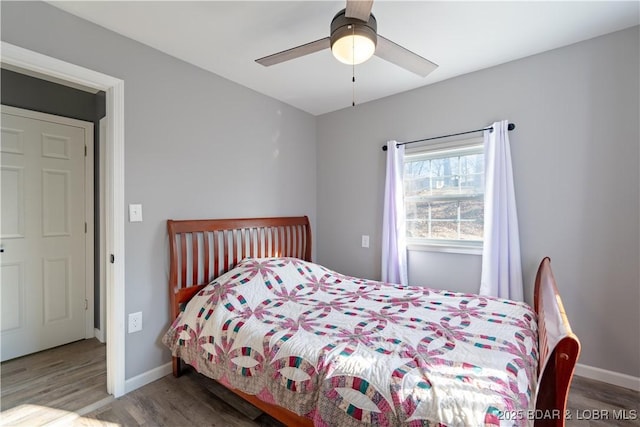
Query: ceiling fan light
(353, 41)
(353, 49)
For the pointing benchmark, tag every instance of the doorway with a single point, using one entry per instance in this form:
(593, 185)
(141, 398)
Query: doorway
(53, 69)
(38, 95)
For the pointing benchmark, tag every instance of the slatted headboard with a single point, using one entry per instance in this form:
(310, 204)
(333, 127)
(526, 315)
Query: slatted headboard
(203, 249)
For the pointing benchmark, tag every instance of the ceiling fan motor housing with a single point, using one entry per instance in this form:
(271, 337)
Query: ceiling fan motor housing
(342, 26)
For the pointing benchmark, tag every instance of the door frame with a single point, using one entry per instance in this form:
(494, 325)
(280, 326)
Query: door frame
(87, 127)
(66, 73)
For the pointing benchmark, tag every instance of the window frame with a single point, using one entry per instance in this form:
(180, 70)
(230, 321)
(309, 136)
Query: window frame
(427, 150)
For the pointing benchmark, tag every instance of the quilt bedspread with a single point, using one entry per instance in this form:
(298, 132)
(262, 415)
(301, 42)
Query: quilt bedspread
(345, 351)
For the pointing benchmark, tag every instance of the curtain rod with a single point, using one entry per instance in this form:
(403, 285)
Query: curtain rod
(511, 126)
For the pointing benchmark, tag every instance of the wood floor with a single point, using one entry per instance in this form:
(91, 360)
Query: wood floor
(69, 377)
(193, 400)
(67, 386)
(594, 403)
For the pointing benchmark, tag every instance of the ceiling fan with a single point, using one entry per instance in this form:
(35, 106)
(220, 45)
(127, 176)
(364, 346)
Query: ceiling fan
(353, 40)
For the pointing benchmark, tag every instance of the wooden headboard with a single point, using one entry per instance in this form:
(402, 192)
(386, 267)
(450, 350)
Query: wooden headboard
(203, 249)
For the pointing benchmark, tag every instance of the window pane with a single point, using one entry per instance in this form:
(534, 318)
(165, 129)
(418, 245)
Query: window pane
(444, 193)
(445, 175)
(444, 220)
(471, 219)
(418, 229)
(416, 178)
(417, 214)
(472, 174)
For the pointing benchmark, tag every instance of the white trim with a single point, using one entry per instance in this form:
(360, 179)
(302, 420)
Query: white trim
(114, 219)
(102, 264)
(452, 249)
(25, 59)
(415, 150)
(610, 377)
(99, 335)
(147, 377)
(49, 78)
(87, 129)
(89, 216)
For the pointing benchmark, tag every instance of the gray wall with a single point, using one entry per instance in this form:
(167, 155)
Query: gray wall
(22, 91)
(196, 146)
(575, 154)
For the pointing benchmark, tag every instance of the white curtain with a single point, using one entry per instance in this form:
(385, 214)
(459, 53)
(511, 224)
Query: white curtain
(394, 249)
(501, 266)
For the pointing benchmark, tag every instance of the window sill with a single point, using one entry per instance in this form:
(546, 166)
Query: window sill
(446, 248)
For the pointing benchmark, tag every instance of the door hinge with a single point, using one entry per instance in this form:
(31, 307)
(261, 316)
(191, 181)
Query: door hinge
(85, 228)
(85, 151)
(86, 304)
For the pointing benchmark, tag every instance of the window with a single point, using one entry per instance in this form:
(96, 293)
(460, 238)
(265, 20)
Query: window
(444, 194)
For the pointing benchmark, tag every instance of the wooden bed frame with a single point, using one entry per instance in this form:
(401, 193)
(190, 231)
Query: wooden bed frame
(201, 250)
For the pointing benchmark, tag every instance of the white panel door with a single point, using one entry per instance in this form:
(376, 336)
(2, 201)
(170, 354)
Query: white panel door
(42, 233)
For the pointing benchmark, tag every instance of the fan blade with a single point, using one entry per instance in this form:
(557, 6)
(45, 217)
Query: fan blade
(359, 9)
(396, 54)
(295, 52)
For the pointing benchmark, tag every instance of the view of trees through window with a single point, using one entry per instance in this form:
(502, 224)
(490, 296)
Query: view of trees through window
(444, 194)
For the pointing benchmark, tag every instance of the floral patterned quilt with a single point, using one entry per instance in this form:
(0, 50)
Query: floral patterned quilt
(346, 352)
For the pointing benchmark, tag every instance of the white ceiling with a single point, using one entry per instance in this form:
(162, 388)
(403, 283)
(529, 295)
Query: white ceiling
(225, 37)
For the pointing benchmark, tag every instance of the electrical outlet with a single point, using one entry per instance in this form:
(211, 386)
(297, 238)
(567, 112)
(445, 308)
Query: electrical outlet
(135, 322)
(365, 241)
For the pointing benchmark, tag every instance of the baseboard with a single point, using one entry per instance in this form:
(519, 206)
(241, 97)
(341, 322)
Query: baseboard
(99, 335)
(611, 377)
(147, 377)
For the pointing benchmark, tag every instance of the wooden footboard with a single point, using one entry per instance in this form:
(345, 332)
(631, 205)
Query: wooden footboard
(201, 250)
(559, 349)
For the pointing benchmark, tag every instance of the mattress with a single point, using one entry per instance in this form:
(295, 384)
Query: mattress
(345, 351)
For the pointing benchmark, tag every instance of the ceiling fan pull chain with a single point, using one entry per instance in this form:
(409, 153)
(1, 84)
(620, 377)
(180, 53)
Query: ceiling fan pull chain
(353, 83)
(353, 95)
(353, 66)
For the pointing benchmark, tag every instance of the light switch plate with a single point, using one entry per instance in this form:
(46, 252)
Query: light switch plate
(365, 241)
(135, 213)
